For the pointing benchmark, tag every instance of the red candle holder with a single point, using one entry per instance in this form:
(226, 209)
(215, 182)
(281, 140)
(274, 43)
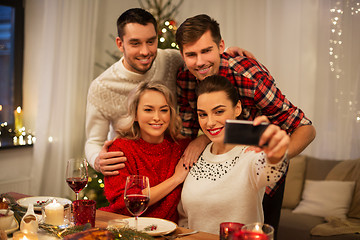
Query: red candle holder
(227, 230)
(249, 235)
(84, 212)
(261, 228)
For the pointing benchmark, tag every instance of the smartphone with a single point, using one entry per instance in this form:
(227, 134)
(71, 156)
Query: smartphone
(243, 132)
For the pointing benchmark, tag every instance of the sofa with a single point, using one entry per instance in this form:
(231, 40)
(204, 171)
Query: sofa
(321, 200)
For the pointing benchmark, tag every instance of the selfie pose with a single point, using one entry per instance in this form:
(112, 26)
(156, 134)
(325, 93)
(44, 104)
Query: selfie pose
(142, 61)
(227, 183)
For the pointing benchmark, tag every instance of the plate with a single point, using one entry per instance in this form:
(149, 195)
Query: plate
(24, 202)
(163, 226)
(14, 226)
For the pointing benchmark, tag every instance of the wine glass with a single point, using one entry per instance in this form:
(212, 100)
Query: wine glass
(76, 174)
(137, 195)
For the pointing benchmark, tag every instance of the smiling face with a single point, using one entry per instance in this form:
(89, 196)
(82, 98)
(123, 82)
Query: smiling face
(213, 109)
(153, 116)
(202, 57)
(139, 45)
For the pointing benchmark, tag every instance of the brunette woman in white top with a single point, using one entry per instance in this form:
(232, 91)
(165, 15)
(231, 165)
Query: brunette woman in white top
(227, 183)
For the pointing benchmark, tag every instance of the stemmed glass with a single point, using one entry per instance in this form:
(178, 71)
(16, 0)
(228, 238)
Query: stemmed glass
(76, 174)
(137, 195)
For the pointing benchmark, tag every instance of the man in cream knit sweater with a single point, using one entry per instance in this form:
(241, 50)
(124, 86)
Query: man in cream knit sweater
(107, 96)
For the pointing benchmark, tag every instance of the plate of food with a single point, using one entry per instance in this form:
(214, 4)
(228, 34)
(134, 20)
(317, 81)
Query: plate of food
(40, 201)
(153, 226)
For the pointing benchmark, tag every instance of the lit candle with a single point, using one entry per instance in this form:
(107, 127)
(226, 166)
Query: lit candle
(29, 139)
(21, 140)
(15, 140)
(24, 236)
(258, 229)
(54, 213)
(18, 116)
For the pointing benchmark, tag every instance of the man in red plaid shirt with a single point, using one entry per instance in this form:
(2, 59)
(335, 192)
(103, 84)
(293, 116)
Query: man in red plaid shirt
(202, 49)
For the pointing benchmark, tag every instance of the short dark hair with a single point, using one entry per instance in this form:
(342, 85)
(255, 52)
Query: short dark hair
(193, 28)
(134, 15)
(216, 83)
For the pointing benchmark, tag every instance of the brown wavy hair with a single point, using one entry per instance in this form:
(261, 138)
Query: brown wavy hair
(130, 128)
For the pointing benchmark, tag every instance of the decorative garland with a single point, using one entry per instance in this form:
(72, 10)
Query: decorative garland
(77, 232)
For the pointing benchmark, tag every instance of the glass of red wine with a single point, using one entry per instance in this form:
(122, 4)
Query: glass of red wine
(137, 195)
(76, 174)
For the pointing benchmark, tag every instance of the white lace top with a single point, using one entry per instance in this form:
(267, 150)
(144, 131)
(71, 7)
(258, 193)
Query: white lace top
(226, 188)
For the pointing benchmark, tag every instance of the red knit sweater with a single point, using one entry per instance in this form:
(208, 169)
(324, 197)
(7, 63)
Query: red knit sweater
(156, 161)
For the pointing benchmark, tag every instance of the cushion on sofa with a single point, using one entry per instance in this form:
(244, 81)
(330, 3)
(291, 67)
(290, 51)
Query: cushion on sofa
(336, 226)
(296, 226)
(349, 170)
(294, 182)
(326, 198)
(317, 169)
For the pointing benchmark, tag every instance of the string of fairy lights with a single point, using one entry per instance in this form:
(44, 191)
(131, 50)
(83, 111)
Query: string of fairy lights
(336, 46)
(15, 134)
(167, 34)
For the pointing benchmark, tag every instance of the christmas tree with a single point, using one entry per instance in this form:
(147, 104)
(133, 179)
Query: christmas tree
(164, 13)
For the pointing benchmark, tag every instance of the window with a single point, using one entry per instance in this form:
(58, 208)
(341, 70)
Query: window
(11, 66)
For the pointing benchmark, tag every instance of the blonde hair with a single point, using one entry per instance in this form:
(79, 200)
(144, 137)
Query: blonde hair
(130, 128)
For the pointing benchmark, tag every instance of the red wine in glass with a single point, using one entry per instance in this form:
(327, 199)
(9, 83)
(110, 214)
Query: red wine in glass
(137, 195)
(76, 174)
(76, 183)
(136, 204)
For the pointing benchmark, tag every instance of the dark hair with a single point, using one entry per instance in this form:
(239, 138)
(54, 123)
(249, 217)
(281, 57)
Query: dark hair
(193, 28)
(134, 15)
(216, 83)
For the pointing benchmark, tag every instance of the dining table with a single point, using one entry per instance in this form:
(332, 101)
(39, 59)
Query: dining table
(102, 218)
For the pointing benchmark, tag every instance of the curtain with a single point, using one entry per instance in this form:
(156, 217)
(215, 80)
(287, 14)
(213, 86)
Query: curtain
(338, 80)
(63, 69)
(295, 41)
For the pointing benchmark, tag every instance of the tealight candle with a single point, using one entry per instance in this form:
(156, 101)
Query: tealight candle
(24, 236)
(259, 228)
(54, 213)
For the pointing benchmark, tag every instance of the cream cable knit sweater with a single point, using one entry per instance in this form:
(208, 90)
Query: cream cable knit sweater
(107, 96)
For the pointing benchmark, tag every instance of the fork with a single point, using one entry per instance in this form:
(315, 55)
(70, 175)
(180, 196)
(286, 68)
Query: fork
(179, 235)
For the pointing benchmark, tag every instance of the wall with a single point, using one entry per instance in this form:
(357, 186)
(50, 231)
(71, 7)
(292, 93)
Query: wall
(15, 165)
(109, 11)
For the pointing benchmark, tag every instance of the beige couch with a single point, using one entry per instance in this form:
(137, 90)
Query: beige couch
(321, 200)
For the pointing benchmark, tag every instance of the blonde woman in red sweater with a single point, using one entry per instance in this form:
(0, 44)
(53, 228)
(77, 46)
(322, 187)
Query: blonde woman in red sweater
(150, 143)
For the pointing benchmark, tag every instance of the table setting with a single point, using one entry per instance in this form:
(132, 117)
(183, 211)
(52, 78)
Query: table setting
(24, 217)
(47, 217)
(52, 222)
(114, 224)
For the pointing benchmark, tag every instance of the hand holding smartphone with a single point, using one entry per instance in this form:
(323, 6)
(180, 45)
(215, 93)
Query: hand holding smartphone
(243, 132)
